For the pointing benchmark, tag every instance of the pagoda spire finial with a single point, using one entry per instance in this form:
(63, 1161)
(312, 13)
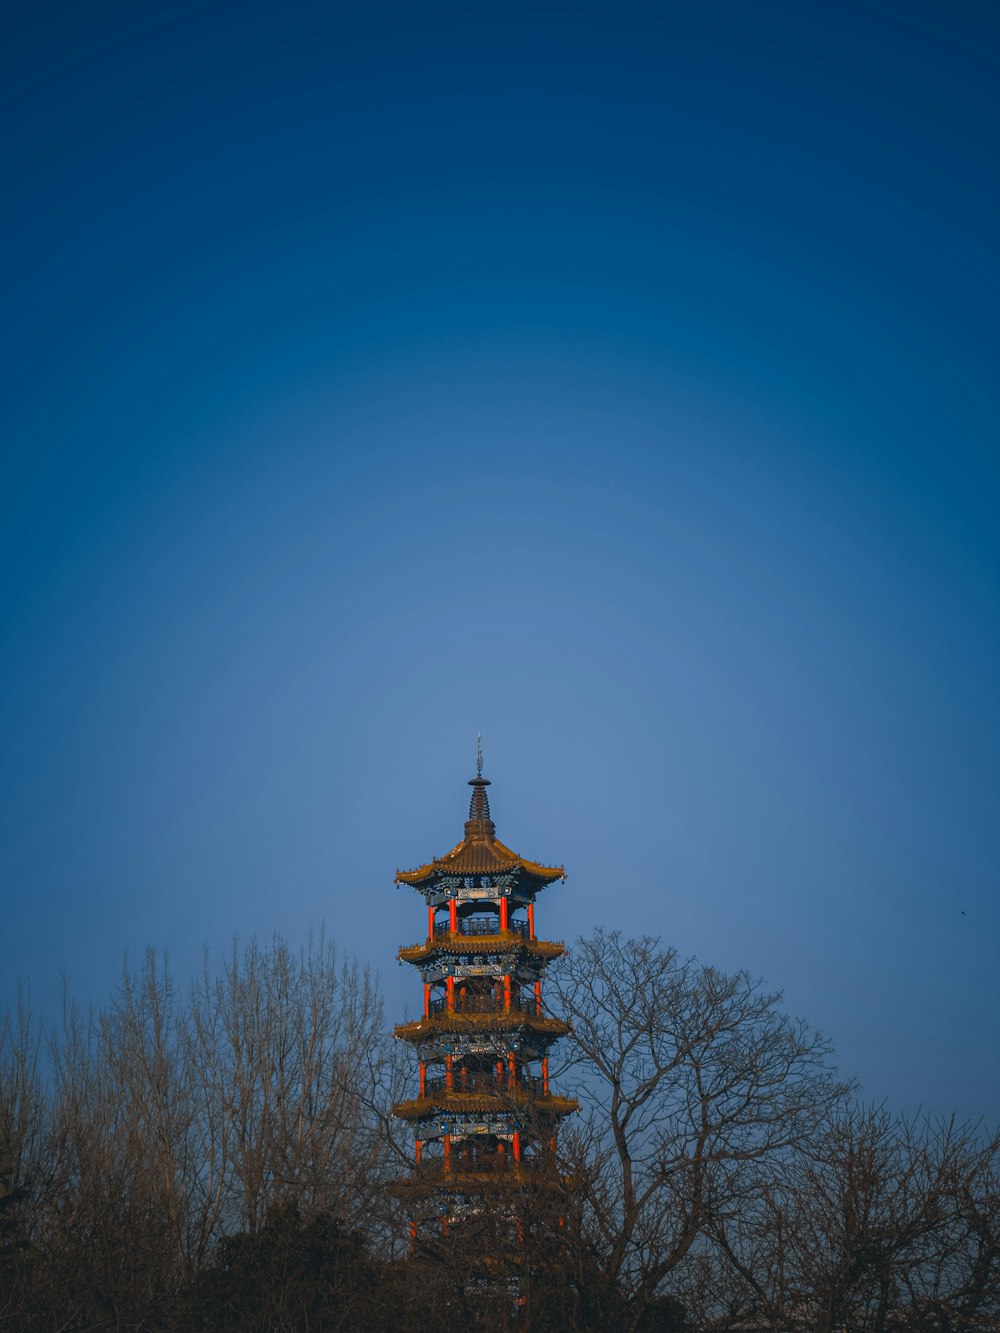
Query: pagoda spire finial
(479, 823)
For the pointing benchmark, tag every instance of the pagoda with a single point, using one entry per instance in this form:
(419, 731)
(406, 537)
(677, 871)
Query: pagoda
(485, 1119)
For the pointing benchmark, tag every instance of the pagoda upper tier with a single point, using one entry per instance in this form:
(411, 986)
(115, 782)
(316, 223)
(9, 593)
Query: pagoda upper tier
(481, 853)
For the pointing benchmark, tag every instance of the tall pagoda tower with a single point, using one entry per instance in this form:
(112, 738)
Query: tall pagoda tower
(485, 1119)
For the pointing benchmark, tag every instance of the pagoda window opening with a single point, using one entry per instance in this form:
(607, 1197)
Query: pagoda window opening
(476, 1076)
(478, 918)
(484, 1152)
(493, 1078)
(474, 996)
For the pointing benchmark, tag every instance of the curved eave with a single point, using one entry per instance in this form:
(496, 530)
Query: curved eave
(457, 1102)
(458, 1023)
(480, 856)
(455, 943)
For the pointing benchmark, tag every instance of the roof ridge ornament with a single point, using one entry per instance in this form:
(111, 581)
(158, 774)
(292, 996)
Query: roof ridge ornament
(479, 754)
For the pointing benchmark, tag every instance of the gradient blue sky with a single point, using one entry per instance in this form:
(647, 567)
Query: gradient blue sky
(619, 381)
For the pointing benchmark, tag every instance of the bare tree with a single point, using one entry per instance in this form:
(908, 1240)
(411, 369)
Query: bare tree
(882, 1222)
(286, 1050)
(165, 1123)
(693, 1084)
(22, 1131)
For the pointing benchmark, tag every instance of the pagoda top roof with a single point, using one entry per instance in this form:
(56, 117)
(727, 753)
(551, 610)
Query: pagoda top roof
(480, 852)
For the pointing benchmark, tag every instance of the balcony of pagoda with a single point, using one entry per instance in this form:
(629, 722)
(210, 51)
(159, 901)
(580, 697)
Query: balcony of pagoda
(481, 925)
(464, 1080)
(485, 1004)
(488, 1167)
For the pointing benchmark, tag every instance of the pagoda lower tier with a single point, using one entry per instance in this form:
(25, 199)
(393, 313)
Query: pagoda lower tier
(484, 1115)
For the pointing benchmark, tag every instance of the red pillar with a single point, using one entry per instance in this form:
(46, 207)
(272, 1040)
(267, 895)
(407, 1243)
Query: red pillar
(512, 1068)
(531, 921)
(504, 913)
(427, 1000)
(447, 1152)
(453, 915)
(538, 995)
(506, 991)
(517, 1145)
(450, 986)
(419, 1151)
(449, 1077)
(545, 1076)
(430, 923)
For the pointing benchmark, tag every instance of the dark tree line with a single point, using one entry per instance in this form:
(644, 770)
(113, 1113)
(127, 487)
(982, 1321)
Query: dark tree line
(223, 1159)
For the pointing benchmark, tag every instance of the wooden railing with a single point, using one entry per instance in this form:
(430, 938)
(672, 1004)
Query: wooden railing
(482, 1164)
(486, 1004)
(464, 1081)
(480, 925)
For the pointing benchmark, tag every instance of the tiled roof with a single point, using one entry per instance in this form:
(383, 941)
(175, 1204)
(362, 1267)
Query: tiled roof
(458, 1102)
(479, 856)
(481, 944)
(480, 852)
(500, 1022)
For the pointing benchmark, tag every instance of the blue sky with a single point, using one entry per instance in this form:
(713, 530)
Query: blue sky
(619, 382)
